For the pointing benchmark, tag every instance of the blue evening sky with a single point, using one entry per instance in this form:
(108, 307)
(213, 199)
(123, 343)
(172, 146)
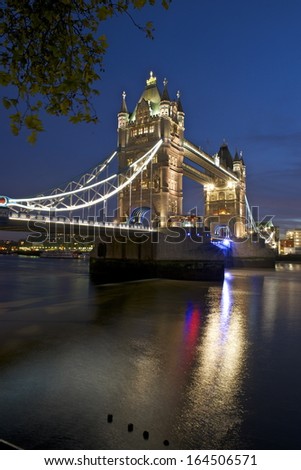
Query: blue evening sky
(237, 65)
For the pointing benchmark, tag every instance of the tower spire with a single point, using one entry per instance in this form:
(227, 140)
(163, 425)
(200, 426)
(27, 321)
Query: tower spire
(123, 108)
(165, 95)
(180, 107)
(151, 80)
(123, 115)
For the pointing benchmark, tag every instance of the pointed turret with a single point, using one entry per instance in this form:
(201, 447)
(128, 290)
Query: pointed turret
(238, 165)
(180, 107)
(165, 101)
(165, 95)
(243, 165)
(123, 119)
(241, 159)
(180, 112)
(225, 156)
(236, 157)
(123, 108)
(123, 115)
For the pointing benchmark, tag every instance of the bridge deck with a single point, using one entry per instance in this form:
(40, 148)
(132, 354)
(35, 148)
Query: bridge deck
(203, 160)
(39, 223)
(195, 175)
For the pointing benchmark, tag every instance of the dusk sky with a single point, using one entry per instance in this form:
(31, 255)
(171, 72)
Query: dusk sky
(237, 65)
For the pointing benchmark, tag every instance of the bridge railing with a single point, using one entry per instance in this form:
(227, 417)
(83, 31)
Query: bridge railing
(75, 221)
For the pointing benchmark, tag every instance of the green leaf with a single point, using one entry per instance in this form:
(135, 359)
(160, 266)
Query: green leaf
(165, 4)
(32, 121)
(103, 13)
(6, 103)
(52, 51)
(16, 118)
(15, 129)
(5, 78)
(139, 4)
(32, 138)
(65, 106)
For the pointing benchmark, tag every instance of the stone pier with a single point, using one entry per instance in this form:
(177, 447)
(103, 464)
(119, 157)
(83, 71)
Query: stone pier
(173, 254)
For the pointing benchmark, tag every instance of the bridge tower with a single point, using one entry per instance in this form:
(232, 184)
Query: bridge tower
(160, 188)
(225, 201)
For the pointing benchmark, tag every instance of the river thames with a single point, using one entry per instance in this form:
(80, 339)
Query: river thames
(196, 365)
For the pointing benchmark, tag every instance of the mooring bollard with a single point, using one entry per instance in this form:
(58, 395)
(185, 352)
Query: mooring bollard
(130, 427)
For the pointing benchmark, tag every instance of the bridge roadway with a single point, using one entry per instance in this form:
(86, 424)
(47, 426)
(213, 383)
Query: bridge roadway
(198, 166)
(45, 224)
(203, 161)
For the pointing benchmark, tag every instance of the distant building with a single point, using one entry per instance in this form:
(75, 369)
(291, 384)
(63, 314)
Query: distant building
(292, 242)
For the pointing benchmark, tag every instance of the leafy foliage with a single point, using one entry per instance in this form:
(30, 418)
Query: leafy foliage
(51, 55)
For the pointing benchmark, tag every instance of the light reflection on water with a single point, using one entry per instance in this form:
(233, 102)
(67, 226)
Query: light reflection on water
(194, 363)
(214, 412)
(282, 266)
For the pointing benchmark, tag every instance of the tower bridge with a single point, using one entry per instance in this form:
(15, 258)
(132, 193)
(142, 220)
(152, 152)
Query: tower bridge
(151, 158)
(156, 116)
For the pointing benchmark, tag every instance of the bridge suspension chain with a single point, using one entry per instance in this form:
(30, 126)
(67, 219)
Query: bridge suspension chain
(250, 217)
(88, 191)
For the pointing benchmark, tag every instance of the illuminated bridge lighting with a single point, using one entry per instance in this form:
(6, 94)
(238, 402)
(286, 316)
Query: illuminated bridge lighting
(79, 196)
(210, 160)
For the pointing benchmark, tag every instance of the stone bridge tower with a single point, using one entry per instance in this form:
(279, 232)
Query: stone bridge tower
(159, 190)
(225, 201)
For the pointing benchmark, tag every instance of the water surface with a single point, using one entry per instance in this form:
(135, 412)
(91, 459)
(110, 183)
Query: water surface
(200, 365)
